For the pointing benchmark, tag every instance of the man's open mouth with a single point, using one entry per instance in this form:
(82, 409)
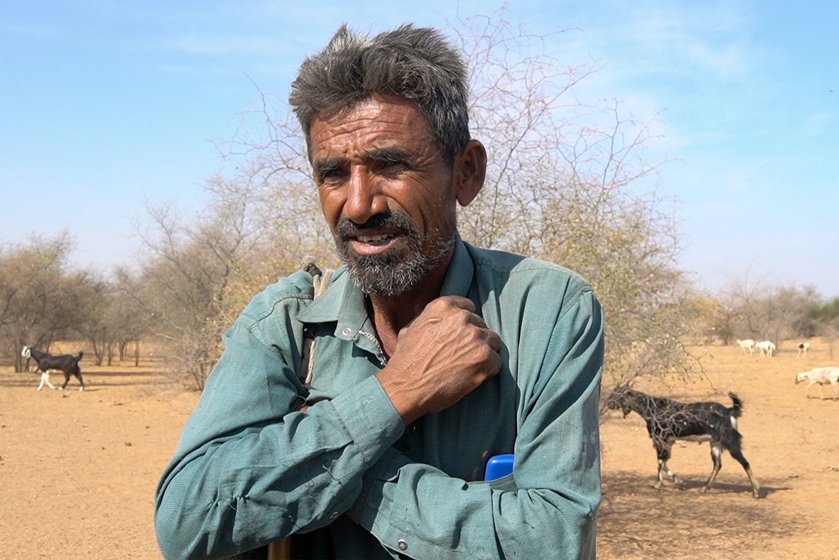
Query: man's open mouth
(374, 238)
(370, 245)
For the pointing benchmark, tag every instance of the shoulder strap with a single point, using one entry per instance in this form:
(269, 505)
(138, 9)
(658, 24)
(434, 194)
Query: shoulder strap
(320, 282)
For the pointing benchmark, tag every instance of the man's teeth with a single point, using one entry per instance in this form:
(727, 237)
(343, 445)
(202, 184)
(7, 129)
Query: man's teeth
(372, 238)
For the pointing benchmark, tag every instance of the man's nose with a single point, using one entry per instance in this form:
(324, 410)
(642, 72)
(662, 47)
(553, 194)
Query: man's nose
(364, 199)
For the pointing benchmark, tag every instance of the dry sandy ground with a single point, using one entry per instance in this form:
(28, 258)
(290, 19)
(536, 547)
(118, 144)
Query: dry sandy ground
(78, 470)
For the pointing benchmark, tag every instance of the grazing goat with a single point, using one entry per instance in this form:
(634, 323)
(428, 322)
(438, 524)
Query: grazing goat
(766, 347)
(803, 348)
(66, 363)
(668, 420)
(820, 376)
(747, 345)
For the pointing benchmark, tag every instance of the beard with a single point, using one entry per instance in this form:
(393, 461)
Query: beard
(391, 273)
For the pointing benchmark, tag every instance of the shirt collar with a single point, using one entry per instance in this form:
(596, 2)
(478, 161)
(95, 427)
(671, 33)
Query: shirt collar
(460, 273)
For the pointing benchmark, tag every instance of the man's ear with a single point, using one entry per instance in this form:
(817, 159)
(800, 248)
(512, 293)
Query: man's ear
(470, 169)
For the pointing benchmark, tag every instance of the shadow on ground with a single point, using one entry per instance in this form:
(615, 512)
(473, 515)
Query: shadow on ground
(638, 521)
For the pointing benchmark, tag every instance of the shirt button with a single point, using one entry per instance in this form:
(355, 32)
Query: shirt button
(347, 331)
(402, 545)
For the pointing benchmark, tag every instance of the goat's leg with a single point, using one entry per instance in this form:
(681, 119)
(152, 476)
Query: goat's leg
(45, 378)
(716, 458)
(659, 475)
(740, 458)
(77, 375)
(663, 452)
(672, 475)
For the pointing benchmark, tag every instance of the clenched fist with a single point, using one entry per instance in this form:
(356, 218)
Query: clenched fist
(445, 353)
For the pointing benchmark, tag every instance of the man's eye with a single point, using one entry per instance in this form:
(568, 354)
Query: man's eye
(391, 164)
(331, 174)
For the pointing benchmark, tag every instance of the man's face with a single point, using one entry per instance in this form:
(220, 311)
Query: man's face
(386, 193)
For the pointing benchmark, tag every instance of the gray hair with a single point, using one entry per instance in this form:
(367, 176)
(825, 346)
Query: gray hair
(415, 63)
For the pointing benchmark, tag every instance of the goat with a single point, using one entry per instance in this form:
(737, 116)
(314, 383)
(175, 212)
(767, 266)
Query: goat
(747, 345)
(803, 348)
(668, 420)
(820, 376)
(66, 363)
(766, 347)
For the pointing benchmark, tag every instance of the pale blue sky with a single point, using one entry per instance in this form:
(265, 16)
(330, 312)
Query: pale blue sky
(105, 105)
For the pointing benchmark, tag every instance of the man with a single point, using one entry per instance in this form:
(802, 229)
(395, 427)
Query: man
(431, 356)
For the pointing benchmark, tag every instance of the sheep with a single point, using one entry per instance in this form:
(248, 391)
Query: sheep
(766, 347)
(820, 376)
(668, 420)
(66, 363)
(747, 345)
(803, 348)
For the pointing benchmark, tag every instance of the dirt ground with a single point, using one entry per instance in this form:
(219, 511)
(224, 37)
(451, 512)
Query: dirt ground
(78, 470)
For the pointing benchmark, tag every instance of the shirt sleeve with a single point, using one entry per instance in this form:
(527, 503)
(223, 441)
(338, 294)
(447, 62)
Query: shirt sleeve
(547, 507)
(249, 469)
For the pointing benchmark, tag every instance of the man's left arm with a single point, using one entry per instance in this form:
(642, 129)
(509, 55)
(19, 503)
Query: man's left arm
(547, 508)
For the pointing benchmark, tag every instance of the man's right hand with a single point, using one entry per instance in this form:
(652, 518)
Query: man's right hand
(445, 353)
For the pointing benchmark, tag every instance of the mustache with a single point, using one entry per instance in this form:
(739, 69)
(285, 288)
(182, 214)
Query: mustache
(389, 220)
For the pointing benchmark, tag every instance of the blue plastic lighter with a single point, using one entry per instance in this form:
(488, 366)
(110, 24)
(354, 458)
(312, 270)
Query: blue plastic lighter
(498, 466)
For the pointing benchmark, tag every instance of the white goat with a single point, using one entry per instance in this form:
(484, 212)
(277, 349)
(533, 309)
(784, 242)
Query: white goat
(747, 345)
(803, 348)
(820, 376)
(766, 347)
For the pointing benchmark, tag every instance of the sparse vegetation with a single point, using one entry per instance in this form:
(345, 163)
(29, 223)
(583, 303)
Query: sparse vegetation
(567, 182)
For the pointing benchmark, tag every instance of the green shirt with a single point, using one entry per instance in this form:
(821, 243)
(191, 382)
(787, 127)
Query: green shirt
(348, 477)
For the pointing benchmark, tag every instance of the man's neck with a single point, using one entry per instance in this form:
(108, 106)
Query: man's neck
(390, 314)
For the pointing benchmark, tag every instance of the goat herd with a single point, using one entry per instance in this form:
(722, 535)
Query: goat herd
(817, 376)
(667, 420)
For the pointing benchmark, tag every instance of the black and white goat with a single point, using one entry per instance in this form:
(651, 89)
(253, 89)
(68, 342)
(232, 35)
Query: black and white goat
(668, 420)
(803, 348)
(66, 363)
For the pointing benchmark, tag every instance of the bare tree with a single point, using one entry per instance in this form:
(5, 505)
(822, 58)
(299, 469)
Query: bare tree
(128, 313)
(269, 156)
(194, 281)
(760, 311)
(563, 184)
(93, 296)
(38, 298)
(825, 317)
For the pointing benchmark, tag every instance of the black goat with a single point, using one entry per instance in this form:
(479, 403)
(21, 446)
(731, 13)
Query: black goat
(668, 420)
(66, 363)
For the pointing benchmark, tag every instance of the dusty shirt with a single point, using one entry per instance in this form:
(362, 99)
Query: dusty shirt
(348, 477)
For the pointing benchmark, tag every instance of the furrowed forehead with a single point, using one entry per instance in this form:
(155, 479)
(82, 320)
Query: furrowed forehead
(374, 131)
(384, 111)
